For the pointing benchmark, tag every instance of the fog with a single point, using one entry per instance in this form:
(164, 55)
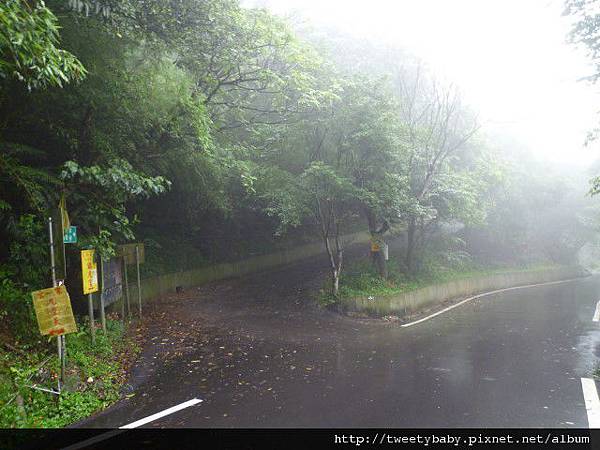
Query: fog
(300, 213)
(510, 59)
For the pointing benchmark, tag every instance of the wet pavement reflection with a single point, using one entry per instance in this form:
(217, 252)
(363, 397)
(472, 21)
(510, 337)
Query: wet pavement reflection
(261, 355)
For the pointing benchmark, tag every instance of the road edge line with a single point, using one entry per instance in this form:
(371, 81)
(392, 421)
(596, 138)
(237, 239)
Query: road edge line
(158, 415)
(596, 317)
(410, 324)
(93, 440)
(592, 403)
(110, 434)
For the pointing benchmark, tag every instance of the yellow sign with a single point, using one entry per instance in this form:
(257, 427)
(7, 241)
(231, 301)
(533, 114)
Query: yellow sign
(64, 216)
(375, 245)
(89, 271)
(53, 311)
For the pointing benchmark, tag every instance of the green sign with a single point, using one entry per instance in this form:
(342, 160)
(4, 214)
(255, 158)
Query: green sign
(70, 236)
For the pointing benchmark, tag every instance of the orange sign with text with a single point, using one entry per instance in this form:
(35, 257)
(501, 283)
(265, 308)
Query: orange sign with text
(53, 311)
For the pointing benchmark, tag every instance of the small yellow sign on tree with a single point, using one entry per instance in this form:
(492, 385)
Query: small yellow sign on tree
(53, 311)
(375, 244)
(89, 271)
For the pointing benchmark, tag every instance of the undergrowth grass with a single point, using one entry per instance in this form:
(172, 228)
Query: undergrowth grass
(94, 376)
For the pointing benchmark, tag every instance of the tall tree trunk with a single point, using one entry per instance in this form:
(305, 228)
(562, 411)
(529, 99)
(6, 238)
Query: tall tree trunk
(330, 229)
(336, 259)
(380, 263)
(335, 282)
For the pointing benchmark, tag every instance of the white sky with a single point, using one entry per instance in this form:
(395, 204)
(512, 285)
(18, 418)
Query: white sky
(509, 57)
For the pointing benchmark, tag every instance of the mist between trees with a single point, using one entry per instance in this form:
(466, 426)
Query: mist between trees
(215, 132)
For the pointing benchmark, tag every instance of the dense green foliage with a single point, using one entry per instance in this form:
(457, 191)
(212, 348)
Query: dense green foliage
(29, 40)
(94, 377)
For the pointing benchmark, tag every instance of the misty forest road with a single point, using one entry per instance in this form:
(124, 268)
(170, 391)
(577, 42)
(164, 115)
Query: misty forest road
(258, 354)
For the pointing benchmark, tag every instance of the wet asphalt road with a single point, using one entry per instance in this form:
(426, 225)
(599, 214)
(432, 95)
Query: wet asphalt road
(259, 354)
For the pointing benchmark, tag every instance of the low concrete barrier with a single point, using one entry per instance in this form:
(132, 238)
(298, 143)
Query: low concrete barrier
(155, 287)
(409, 302)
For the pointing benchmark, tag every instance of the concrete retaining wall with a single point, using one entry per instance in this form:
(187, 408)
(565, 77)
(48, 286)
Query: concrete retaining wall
(412, 301)
(155, 287)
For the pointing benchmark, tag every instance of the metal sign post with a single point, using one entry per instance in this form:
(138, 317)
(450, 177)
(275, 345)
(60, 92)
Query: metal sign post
(134, 253)
(124, 268)
(89, 276)
(62, 340)
(62, 239)
(126, 289)
(91, 314)
(54, 284)
(137, 263)
(102, 312)
(53, 267)
(63, 364)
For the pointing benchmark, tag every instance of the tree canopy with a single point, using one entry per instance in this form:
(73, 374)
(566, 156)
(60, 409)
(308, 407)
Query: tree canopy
(224, 124)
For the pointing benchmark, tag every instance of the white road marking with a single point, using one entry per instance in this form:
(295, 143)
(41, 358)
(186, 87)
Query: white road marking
(597, 313)
(138, 423)
(483, 295)
(94, 440)
(592, 403)
(166, 412)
